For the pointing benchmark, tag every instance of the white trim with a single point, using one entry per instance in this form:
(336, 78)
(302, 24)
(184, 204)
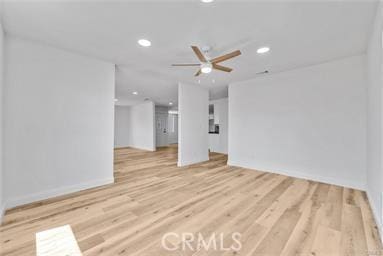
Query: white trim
(122, 147)
(191, 162)
(300, 175)
(144, 148)
(2, 212)
(17, 201)
(140, 148)
(377, 216)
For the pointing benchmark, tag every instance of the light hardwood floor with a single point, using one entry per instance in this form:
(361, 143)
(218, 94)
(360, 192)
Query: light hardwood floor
(275, 214)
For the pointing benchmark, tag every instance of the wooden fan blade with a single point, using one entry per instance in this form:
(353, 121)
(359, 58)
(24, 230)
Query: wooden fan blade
(199, 54)
(222, 68)
(226, 57)
(198, 73)
(186, 65)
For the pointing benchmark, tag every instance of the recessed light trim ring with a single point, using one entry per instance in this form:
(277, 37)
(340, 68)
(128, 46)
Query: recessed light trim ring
(144, 42)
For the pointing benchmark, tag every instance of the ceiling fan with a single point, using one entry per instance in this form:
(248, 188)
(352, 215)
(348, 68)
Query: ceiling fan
(207, 65)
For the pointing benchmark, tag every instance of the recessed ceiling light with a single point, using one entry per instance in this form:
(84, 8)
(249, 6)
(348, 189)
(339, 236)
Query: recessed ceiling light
(115, 100)
(144, 42)
(207, 1)
(206, 68)
(213, 81)
(170, 103)
(135, 93)
(263, 50)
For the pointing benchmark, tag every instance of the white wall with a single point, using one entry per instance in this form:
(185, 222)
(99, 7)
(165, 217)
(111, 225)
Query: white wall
(134, 126)
(142, 135)
(374, 114)
(218, 142)
(121, 126)
(308, 123)
(2, 206)
(193, 114)
(59, 111)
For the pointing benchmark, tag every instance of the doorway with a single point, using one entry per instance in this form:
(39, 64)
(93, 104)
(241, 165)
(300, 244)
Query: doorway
(162, 127)
(173, 127)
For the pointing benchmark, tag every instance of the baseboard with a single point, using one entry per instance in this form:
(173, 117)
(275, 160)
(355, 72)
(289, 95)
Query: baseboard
(219, 152)
(191, 162)
(122, 147)
(146, 149)
(300, 175)
(376, 213)
(17, 201)
(143, 148)
(2, 212)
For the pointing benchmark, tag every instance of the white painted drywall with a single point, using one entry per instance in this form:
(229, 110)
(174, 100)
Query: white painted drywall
(218, 142)
(142, 135)
(374, 117)
(134, 126)
(121, 126)
(2, 201)
(308, 122)
(59, 115)
(193, 107)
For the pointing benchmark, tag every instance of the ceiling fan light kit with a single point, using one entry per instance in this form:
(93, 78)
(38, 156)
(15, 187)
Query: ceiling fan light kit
(206, 66)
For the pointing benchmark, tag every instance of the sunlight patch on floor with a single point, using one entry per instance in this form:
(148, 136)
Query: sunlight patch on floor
(58, 241)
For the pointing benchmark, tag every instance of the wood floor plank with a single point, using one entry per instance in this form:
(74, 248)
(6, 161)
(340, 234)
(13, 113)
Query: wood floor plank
(353, 240)
(326, 242)
(274, 214)
(370, 227)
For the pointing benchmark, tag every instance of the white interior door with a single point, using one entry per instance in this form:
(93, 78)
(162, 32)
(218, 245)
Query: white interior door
(161, 129)
(173, 129)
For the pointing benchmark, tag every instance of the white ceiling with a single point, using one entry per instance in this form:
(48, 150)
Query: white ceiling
(299, 33)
